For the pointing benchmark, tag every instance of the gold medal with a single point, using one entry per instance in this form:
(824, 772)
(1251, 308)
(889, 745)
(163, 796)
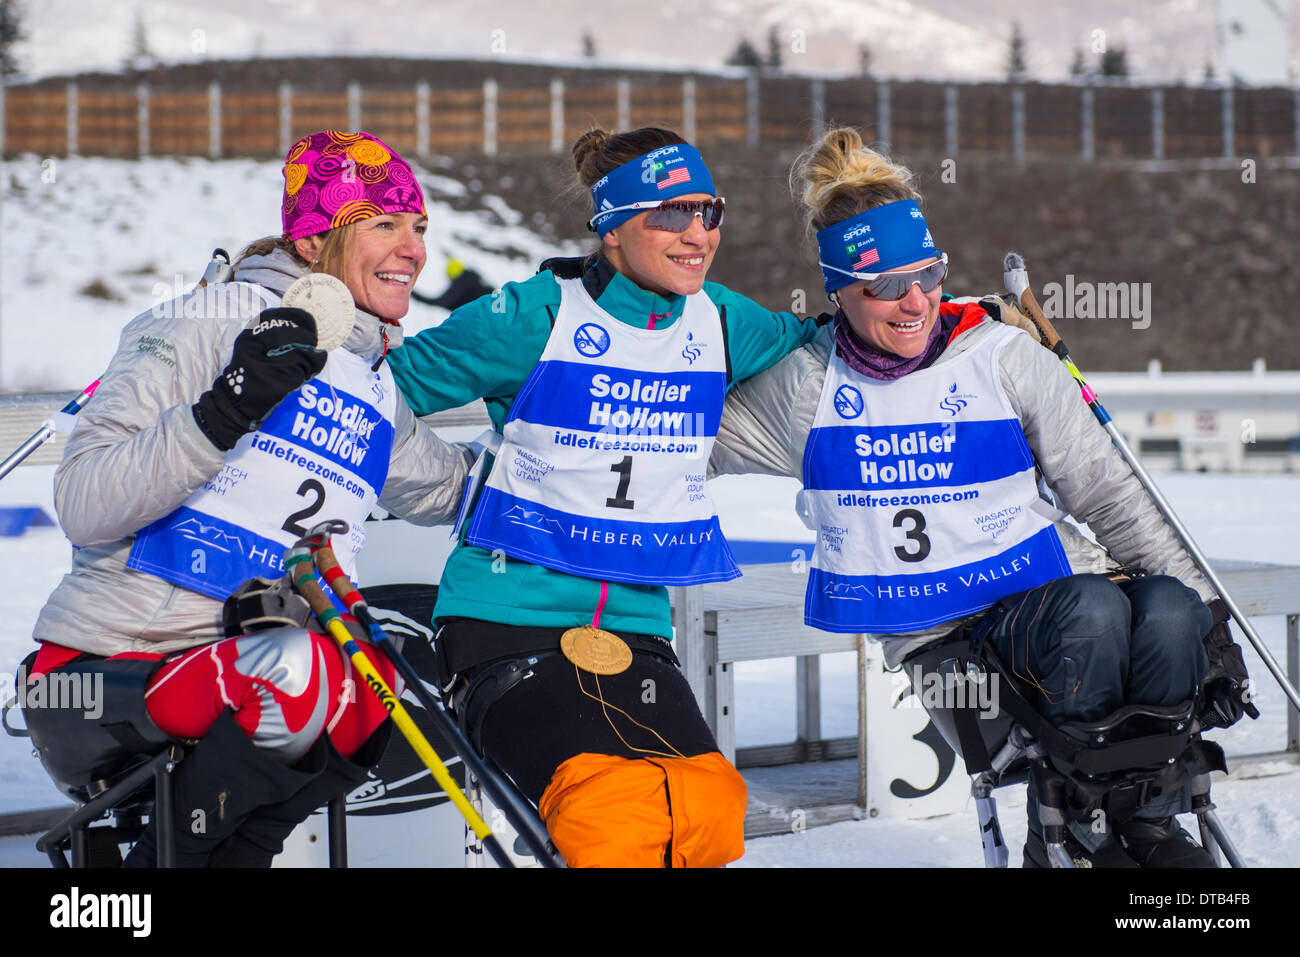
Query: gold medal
(595, 650)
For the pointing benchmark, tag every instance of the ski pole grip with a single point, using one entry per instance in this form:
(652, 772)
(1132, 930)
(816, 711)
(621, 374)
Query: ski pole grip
(1016, 280)
(328, 566)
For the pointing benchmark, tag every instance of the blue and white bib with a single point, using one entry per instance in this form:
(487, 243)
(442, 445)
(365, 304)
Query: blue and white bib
(323, 453)
(601, 471)
(922, 493)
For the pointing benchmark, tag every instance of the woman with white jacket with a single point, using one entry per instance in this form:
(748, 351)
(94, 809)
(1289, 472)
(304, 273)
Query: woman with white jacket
(212, 443)
(938, 448)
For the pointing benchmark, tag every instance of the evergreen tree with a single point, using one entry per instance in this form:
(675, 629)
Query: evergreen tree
(588, 45)
(745, 55)
(141, 57)
(11, 32)
(864, 61)
(1016, 65)
(1078, 67)
(1114, 62)
(773, 49)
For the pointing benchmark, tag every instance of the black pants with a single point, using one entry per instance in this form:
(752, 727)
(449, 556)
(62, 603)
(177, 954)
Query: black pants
(1083, 646)
(542, 720)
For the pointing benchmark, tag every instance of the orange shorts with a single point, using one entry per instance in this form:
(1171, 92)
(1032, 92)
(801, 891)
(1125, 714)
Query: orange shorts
(608, 811)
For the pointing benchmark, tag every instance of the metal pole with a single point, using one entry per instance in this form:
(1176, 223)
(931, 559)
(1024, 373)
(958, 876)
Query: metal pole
(286, 117)
(1018, 124)
(557, 115)
(1295, 118)
(950, 120)
(688, 108)
(354, 105)
(142, 117)
(72, 119)
(624, 103)
(422, 118)
(1158, 123)
(882, 115)
(1085, 119)
(752, 117)
(818, 107)
(1229, 125)
(490, 117)
(214, 120)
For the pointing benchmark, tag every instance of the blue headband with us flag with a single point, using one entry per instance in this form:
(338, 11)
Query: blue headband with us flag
(878, 240)
(639, 184)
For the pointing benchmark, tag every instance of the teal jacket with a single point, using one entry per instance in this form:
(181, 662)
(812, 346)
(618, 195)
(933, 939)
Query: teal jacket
(487, 349)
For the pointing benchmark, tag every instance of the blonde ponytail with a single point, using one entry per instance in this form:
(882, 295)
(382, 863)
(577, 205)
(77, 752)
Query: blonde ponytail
(840, 177)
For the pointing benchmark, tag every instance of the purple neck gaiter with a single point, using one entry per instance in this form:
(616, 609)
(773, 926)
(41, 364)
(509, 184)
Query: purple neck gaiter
(879, 364)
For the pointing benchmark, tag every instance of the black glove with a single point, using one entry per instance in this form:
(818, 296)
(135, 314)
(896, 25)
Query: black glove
(1225, 693)
(274, 357)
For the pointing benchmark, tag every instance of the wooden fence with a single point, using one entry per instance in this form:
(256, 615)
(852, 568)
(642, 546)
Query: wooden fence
(1032, 120)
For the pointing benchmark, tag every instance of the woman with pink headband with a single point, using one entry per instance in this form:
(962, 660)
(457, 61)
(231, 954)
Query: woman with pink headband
(219, 430)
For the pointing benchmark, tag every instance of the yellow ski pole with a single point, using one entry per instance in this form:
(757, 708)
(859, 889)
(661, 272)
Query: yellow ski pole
(303, 572)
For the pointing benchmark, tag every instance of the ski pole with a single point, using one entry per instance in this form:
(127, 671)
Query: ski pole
(516, 809)
(52, 425)
(1016, 280)
(299, 564)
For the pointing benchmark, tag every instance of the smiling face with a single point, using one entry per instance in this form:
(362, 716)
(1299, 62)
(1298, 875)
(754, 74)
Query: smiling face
(383, 259)
(902, 326)
(662, 262)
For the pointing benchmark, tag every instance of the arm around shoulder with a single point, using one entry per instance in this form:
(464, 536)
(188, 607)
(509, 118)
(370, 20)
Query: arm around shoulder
(426, 475)
(766, 419)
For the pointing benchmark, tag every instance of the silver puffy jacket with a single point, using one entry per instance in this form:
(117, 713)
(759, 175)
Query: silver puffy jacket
(136, 454)
(766, 422)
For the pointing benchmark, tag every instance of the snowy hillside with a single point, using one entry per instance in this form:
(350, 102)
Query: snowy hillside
(87, 243)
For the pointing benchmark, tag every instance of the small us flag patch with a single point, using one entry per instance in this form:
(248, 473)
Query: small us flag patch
(680, 174)
(868, 257)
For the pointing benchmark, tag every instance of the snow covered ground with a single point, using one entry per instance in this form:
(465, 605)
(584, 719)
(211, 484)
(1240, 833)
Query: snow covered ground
(1237, 517)
(141, 232)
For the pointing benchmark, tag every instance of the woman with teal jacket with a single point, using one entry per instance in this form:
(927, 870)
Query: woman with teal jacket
(605, 378)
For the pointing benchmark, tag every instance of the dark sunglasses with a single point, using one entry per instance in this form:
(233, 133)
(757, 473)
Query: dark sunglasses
(892, 286)
(674, 215)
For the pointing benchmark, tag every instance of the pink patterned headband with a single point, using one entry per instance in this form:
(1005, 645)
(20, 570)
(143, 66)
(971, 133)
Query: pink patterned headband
(332, 179)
